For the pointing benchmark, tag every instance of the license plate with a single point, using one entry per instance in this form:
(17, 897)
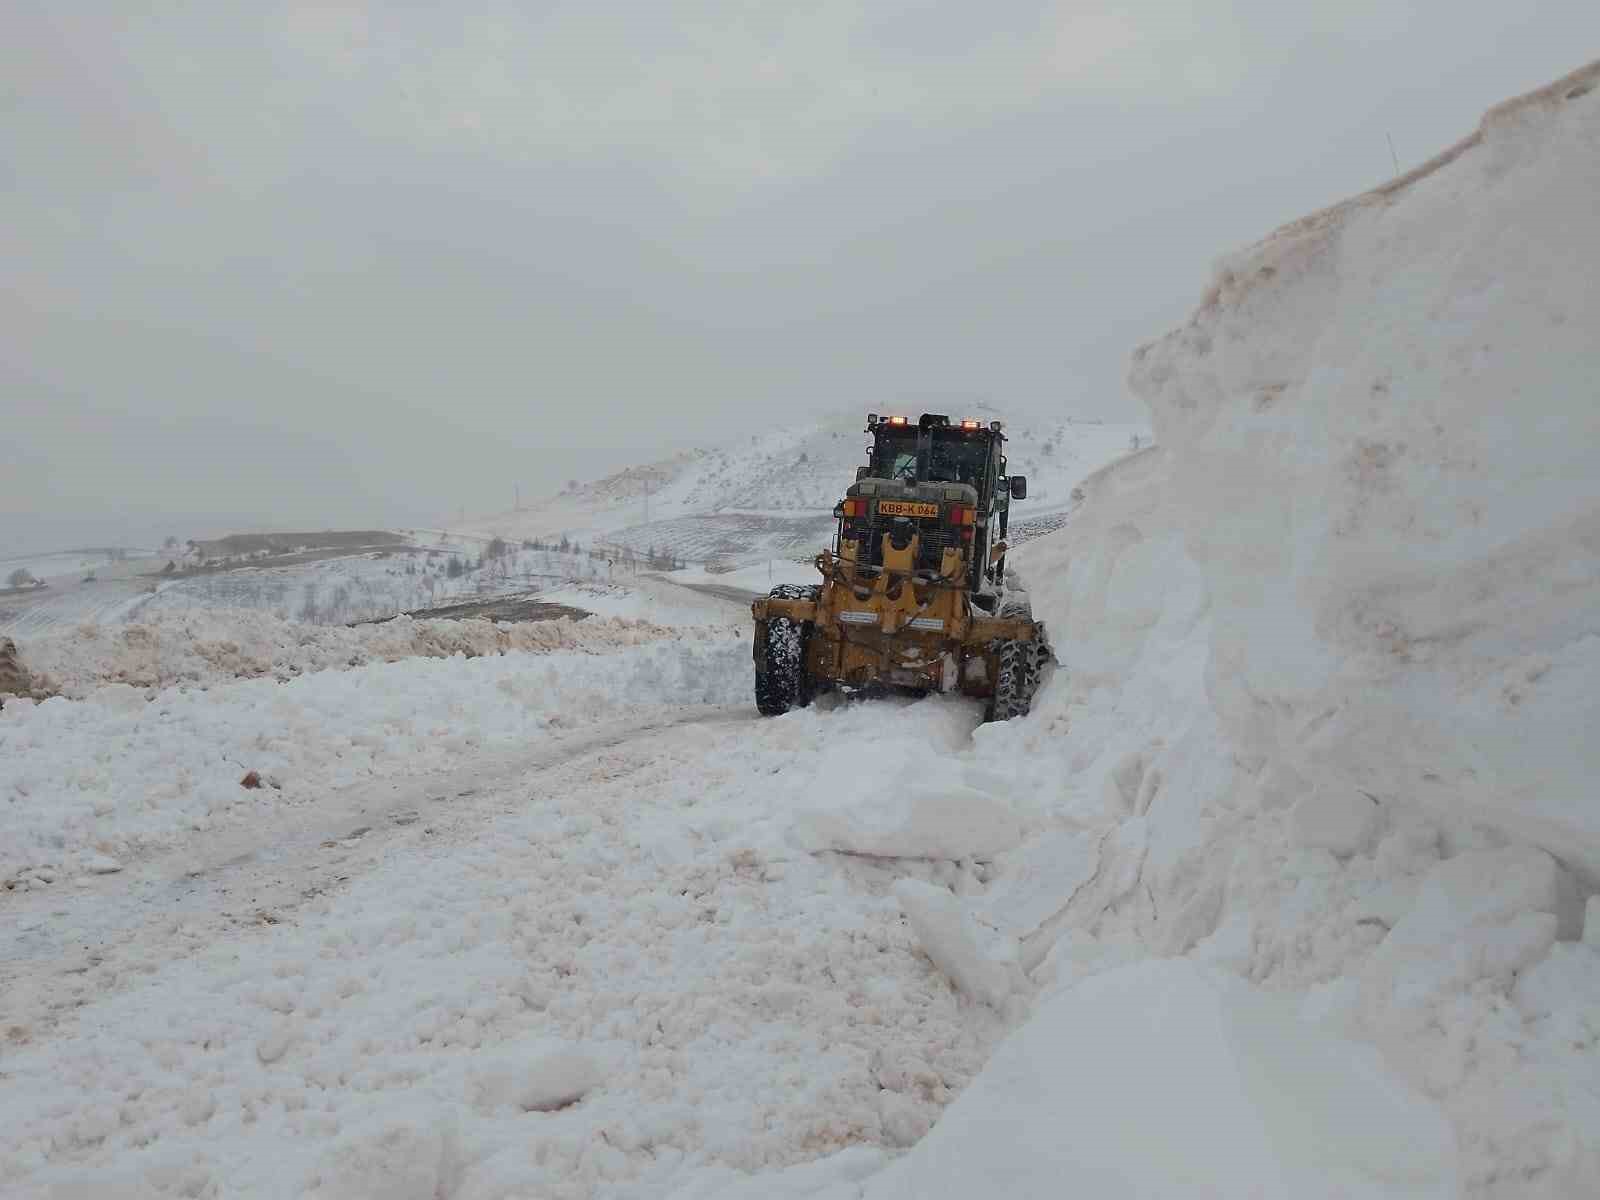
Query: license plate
(906, 508)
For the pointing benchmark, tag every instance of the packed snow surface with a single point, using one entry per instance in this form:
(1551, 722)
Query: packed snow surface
(608, 973)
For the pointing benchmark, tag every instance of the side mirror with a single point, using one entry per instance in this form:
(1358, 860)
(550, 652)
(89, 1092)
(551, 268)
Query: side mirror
(1019, 487)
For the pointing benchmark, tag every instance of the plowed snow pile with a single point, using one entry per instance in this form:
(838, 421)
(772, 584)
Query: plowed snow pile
(1331, 727)
(203, 647)
(126, 770)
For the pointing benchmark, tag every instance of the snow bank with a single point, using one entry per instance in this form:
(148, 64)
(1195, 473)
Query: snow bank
(204, 647)
(125, 771)
(1327, 724)
(1160, 1080)
(1383, 431)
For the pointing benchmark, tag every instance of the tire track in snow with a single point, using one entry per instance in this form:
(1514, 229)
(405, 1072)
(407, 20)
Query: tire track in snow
(262, 871)
(749, 1005)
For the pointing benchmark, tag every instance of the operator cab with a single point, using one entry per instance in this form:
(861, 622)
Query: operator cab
(952, 472)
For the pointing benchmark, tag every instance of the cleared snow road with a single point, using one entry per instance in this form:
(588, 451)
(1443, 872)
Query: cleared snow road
(720, 591)
(61, 947)
(313, 1011)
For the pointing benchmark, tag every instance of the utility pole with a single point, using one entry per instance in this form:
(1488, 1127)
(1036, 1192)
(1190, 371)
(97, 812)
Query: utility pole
(1392, 154)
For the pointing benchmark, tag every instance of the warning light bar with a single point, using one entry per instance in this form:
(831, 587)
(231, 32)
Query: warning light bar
(970, 425)
(896, 420)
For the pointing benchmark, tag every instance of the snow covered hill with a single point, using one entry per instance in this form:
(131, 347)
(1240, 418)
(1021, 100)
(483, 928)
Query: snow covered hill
(769, 493)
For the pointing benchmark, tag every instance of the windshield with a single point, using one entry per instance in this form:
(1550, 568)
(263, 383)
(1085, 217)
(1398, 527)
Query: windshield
(958, 458)
(894, 456)
(955, 457)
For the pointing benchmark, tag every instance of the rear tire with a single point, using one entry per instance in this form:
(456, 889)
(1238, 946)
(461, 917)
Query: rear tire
(783, 684)
(1014, 685)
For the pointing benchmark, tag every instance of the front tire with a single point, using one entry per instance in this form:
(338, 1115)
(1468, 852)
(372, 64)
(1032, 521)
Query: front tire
(781, 682)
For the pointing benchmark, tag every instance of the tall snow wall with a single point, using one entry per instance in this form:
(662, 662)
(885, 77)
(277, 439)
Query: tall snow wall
(1384, 429)
(1379, 476)
(1327, 724)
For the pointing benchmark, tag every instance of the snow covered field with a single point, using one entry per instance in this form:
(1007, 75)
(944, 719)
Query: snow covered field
(1289, 885)
(330, 591)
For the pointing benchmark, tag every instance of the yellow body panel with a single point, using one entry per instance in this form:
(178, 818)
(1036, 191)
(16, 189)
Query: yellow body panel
(888, 627)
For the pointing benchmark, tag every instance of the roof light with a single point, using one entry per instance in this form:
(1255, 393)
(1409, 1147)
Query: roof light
(969, 425)
(897, 420)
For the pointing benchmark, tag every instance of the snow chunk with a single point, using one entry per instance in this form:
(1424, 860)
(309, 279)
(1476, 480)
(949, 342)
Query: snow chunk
(276, 1044)
(199, 1106)
(950, 937)
(1480, 914)
(102, 864)
(1341, 822)
(1041, 879)
(549, 1078)
(1488, 887)
(938, 823)
(1162, 1080)
(557, 1079)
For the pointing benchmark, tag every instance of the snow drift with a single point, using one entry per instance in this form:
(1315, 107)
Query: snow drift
(1328, 721)
(204, 647)
(1382, 423)
(127, 771)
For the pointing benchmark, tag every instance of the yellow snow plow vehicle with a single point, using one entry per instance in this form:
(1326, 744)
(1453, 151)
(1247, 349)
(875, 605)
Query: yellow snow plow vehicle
(913, 593)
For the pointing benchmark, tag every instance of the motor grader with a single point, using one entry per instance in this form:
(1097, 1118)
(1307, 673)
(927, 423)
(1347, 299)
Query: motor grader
(913, 593)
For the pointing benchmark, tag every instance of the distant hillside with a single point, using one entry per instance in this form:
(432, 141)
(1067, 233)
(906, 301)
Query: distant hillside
(236, 545)
(705, 502)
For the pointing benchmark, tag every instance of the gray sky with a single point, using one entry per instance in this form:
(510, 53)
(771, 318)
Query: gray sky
(315, 263)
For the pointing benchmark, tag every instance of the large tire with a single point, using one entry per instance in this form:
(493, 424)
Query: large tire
(1014, 685)
(783, 684)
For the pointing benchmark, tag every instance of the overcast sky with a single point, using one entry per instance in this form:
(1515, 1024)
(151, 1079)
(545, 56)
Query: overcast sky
(275, 263)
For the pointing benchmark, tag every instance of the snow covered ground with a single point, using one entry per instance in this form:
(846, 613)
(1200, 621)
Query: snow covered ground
(1287, 887)
(129, 769)
(289, 1011)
